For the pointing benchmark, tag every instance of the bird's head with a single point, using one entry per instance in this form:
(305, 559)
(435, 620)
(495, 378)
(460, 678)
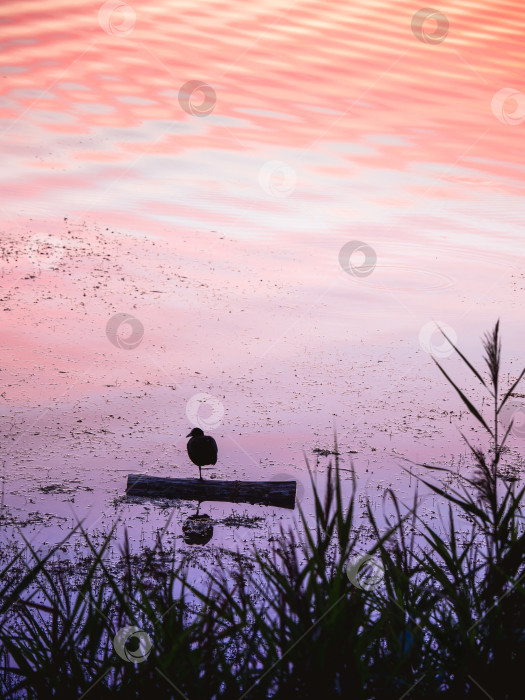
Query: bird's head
(196, 432)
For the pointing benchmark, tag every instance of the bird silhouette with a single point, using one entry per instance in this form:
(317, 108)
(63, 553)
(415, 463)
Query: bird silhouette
(202, 449)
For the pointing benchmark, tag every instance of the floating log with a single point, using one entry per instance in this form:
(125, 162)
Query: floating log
(267, 493)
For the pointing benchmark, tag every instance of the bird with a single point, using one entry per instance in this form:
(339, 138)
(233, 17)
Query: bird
(202, 449)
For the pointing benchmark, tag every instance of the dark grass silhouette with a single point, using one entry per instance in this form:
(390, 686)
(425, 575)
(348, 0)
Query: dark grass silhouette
(447, 622)
(202, 449)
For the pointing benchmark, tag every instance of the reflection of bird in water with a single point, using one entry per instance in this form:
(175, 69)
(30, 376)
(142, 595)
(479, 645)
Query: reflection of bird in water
(202, 449)
(197, 529)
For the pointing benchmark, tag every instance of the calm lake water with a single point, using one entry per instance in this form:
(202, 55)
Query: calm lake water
(248, 216)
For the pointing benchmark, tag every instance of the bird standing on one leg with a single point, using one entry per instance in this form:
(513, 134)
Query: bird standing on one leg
(202, 449)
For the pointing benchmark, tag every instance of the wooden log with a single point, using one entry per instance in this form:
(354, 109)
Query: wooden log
(268, 493)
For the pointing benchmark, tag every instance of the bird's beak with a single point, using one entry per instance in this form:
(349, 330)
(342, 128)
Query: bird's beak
(188, 435)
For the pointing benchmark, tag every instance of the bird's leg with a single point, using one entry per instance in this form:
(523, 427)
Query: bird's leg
(200, 474)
